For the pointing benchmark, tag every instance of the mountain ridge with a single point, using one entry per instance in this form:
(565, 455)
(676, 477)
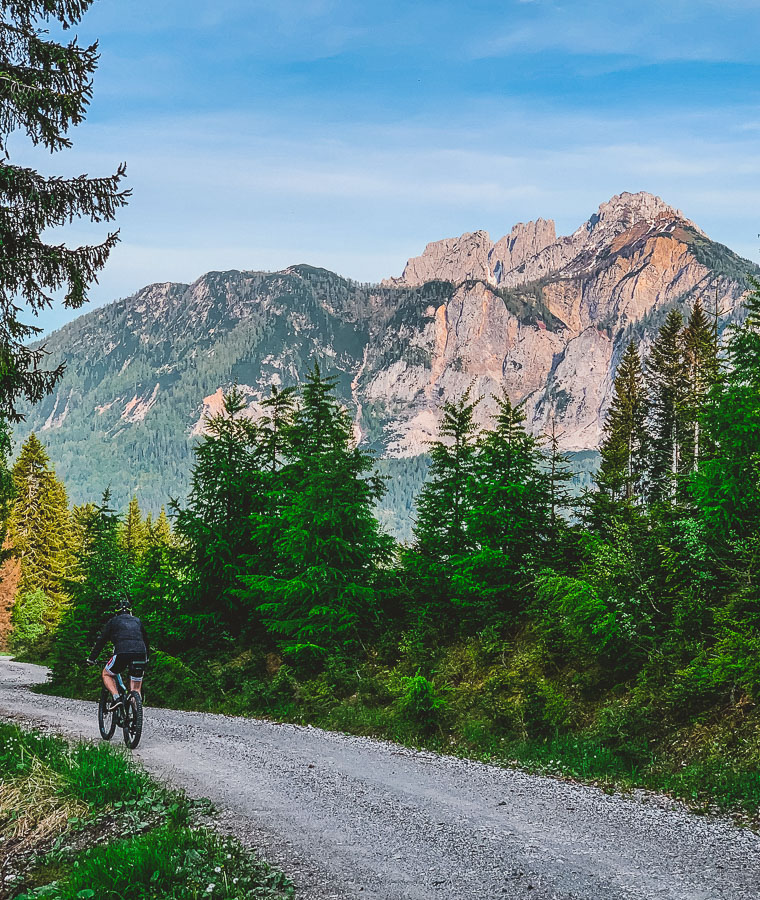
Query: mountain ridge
(543, 317)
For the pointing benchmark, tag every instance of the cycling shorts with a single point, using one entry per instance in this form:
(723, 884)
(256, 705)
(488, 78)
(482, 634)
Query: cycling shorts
(135, 662)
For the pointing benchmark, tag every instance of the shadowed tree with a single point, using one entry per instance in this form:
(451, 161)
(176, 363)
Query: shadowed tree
(625, 441)
(45, 87)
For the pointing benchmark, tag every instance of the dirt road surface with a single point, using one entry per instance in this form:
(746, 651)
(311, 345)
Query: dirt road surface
(356, 818)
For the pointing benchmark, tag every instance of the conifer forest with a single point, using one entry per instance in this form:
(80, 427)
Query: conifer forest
(611, 635)
(618, 632)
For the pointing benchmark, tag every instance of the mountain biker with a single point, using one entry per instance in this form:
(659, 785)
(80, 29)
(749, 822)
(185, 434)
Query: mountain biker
(130, 650)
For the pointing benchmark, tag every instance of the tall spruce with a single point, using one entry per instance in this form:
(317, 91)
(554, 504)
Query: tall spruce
(668, 387)
(103, 576)
(45, 87)
(214, 526)
(559, 476)
(701, 358)
(625, 441)
(509, 520)
(320, 597)
(7, 489)
(445, 502)
(728, 483)
(41, 530)
(134, 531)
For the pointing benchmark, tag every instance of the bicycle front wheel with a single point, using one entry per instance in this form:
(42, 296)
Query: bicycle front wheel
(106, 717)
(133, 719)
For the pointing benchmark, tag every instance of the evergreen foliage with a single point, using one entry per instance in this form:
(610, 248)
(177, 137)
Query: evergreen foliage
(135, 532)
(625, 441)
(667, 378)
(40, 533)
(102, 579)
(445, 503)
(45, 87)
(327, 543)
(213, 528)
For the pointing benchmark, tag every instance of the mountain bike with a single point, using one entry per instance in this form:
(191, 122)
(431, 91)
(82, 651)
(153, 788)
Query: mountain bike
(128, 715)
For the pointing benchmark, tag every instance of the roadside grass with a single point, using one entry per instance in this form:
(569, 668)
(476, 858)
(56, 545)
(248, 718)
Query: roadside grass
(84, 821)
(168, 864)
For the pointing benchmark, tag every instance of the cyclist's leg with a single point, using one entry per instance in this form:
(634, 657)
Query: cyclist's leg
(109, 679)
(136, 672)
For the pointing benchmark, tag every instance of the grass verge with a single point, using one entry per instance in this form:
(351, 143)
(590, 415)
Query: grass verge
(84, 821)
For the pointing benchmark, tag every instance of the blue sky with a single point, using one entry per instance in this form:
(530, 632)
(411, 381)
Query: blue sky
(349, 134)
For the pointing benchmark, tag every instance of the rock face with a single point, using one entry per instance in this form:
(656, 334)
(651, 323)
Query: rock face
(542, 317)
(547, 318)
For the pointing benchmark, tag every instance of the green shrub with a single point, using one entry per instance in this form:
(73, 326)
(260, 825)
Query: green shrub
(172, 683)
(419, 706)
(28, 620)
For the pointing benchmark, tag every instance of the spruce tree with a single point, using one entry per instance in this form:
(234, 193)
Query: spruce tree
(444, 504)
(45, 87)
(275, 424)
(7, 489)
(702, 369)
(667, 382)
(41, 530)
(558, 471)
(320, 597)
(160, 531)
(728, 482)
(625, 441)
(214, 527)
(103, 576)
(509, 520)
(134, 531)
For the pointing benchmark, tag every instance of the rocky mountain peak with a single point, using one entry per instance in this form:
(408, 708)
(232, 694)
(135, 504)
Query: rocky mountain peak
(625, 210)
(532, 251)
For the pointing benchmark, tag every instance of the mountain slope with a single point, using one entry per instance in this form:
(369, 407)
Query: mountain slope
(542, 317)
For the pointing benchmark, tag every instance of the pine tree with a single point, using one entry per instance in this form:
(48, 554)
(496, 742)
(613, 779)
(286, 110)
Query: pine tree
(702, 371)
(41, 530)
(728, 482)
(275, 425)
(509, 521)
(444, 504)
(558, 469)
(134, 531)
(45, 88)
(102, 578)
(329, 547)
(667, 381)
(214, 527)
(625, 441)
(160, 531)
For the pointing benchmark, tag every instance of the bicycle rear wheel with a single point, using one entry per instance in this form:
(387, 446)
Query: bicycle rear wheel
(133, 719)
(106, 718)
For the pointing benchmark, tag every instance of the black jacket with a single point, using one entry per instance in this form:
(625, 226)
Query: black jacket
(127, 635)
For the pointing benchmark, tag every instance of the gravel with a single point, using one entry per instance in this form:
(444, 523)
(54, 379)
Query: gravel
(351, 817)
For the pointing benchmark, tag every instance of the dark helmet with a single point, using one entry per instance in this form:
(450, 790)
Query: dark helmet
(124, 606)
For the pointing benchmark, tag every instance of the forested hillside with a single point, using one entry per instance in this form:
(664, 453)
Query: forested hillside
(613, 635)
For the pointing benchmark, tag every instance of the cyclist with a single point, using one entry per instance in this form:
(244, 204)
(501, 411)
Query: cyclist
(130, 650)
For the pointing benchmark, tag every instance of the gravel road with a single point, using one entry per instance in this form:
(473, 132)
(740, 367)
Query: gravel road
(356, 818)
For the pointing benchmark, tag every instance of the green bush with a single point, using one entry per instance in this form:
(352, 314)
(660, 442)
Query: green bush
(172, 683)
(28, 620)
(419, 706)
